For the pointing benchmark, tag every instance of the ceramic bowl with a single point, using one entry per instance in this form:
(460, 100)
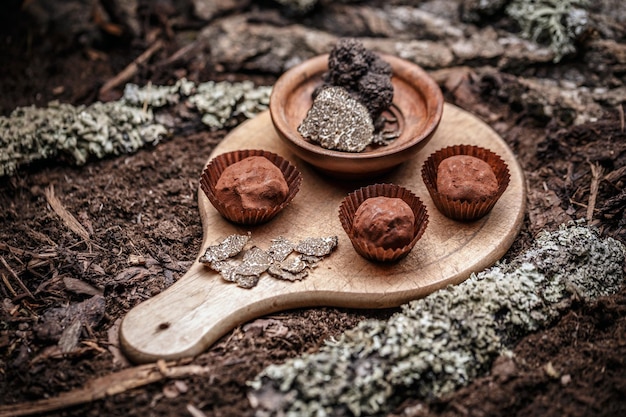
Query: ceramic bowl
(417, 106)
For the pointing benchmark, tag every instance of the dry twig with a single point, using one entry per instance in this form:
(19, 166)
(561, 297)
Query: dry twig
(615, 175)
(36, 259)
(106, 386)
(16, 278)
(67, 217)
(132, 68)
(180, 53)
(596, 175)
(8, 285)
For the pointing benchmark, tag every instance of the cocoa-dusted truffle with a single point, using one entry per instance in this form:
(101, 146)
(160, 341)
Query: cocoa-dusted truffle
(363, 73)
(464, 177)
(252, 183)
(465, 181)
(384, 221)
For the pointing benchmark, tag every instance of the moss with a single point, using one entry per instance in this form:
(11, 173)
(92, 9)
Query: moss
(437, 344)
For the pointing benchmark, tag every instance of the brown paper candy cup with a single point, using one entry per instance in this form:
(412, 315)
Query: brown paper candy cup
(459, 209)
(367, 249)
(216, 167)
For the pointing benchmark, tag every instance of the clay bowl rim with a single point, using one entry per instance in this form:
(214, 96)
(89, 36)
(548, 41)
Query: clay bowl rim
(315, 67)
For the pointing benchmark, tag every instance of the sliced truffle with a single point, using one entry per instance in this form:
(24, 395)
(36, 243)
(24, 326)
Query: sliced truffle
(247, 272)
(252, 183)
(226, 269)
(386, 222)
(278, 261)
(464, 177)
(255, 262)
(317, 246)
(292, 269)
(231, 246)
(280, 248)
(247, 281)
(337, 121)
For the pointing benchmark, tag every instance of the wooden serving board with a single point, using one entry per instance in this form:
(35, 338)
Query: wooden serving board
(201, 307)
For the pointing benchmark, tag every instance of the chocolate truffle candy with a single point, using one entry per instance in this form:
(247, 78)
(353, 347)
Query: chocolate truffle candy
(386, 222)
(252, 183)
(464, 177)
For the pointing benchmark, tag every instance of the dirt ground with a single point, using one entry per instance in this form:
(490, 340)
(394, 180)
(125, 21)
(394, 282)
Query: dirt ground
(141, 214)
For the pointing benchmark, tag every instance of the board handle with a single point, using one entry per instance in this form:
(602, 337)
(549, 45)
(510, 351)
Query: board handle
(194, 313)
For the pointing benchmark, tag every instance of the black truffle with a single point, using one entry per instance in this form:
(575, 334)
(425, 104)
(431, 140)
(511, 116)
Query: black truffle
(365, 75)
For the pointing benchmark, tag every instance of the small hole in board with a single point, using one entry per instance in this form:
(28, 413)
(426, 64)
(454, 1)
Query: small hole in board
(163, 326)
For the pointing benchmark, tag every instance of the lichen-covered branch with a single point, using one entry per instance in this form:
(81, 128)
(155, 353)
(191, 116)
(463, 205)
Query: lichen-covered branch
(78, 133)
(556, 22)
(74, 133)
(437, 344)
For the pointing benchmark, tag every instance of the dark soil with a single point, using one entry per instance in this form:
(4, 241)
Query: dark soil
(141, 214)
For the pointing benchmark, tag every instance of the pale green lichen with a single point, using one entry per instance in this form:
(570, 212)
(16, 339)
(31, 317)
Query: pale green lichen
(437, 344)
(556, 22)
(221, 104)
(158, 95)
(74, 133)
(78, 133)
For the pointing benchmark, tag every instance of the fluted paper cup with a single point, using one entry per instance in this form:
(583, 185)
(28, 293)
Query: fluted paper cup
(366, 248)
(239, 215)
(464, 209)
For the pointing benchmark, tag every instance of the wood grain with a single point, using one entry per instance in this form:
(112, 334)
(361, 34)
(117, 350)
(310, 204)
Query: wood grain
(201, 307)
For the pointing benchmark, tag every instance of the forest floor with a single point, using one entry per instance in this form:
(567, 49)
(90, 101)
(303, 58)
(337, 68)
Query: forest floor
(563, 120)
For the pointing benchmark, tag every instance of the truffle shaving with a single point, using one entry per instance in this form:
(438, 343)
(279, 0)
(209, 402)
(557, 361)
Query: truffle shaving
(255, 262)
(294, 265)
(317, 246)
(247, 281)
(226, 269)
(227, 248)
(293, 269)
(311, 260)
(276, 261)
(280, 249)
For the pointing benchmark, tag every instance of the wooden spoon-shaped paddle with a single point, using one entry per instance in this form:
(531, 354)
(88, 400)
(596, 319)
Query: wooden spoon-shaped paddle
(192, 314)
